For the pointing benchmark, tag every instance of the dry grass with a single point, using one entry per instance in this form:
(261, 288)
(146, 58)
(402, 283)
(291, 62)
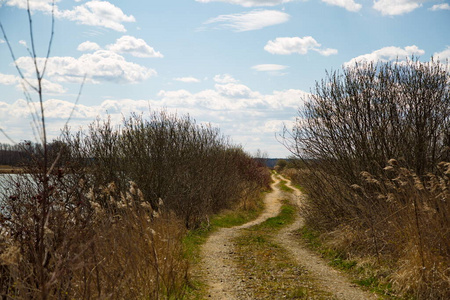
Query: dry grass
(119, 248)
(397, 220)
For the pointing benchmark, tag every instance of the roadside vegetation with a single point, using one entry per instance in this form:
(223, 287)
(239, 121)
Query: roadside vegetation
(102, 213)
(112, 216)
(372, 151)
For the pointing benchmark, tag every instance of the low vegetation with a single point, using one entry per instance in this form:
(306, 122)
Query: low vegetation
(108, 216)
(373, 151)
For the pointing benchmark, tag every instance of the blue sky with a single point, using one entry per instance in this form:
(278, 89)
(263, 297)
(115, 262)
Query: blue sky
(244, 66)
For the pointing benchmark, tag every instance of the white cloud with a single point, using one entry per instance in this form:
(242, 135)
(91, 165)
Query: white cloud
(386, 54)
(224, 78)
(234, 90)
(102, 65)
(88, 46)
(443, 55)
(48, 87)
(249, 3)
(35, 5)
(2, 41)
(269, 67)
(327, 51)
(442, 6)
(23, 43)
(51, 88)
(189, 79)
(252, 20)
(349, 5)
(134, 46)
(92, 13)
(396, 7)
(289, 45)
(248, 116)
(98, 13)
(7, 79)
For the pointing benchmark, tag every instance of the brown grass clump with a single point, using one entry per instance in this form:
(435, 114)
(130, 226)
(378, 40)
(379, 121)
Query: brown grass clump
(399, 218)
(105, 244)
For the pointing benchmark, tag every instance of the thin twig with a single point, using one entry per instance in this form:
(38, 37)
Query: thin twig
(51, 39)
(11, 52)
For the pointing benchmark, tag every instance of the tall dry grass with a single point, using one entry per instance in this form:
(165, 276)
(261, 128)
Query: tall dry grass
(398, 219)
(353, 123)
(109, 244)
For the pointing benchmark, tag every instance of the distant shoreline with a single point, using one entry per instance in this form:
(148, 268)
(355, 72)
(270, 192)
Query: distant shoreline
(10, 170)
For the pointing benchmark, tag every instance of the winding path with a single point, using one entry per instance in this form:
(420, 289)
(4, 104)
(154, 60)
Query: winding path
(222, 275)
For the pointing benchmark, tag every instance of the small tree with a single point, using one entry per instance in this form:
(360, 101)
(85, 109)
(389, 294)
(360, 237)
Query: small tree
(356, 121)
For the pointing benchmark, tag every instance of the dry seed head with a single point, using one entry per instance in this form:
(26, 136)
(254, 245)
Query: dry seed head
(112, 187)
(133, 188)
(121, 204)
(91, 194)
(140, 195)
(146, 205)
(381, 197)
(81, 183)
(389, 168)
(129, 197)
(393, 162)
(369, 178)
(390, 198)
(446, 167)
(356, 187)
(97, 208)
(418, 183)
(160, 202)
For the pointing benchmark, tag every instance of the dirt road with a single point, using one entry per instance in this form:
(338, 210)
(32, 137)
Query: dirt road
(219, 256)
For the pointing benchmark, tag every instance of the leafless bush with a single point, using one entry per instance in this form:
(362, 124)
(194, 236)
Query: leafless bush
(351, 126)
(86, 219)
(193, 168)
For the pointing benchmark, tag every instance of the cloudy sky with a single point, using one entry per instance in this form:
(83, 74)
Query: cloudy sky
(242, 65)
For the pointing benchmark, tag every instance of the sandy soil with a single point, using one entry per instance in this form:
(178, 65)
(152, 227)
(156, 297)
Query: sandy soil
(224, 280)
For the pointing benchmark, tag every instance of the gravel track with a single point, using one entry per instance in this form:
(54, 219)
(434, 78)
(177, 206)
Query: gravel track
(224, 279)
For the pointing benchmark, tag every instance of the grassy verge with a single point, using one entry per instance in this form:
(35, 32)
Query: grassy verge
(267, 268)
(362, 272)
(196, 238)
(282, 185)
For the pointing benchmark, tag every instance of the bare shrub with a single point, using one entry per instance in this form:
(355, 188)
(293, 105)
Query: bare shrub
(86, 219)
(355, 122)
(193, 168)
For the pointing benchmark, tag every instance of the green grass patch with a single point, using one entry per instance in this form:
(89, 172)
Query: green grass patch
(286, 216)
(363, 275)
(235, 218)
(194, 239)
(299, 187)
(266, 268)
(282, 185)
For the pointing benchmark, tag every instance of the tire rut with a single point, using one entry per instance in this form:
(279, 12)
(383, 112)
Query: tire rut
(224, 279)
(329, 279)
